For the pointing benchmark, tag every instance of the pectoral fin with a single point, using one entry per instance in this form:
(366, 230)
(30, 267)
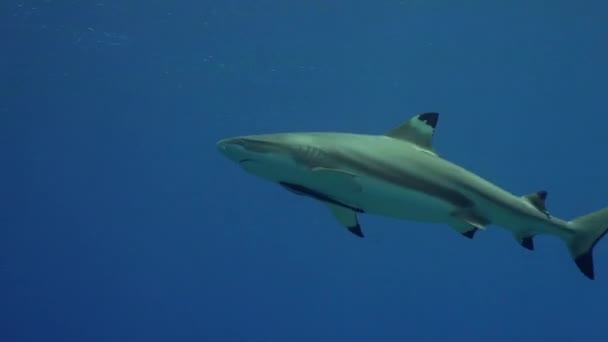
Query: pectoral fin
(347, 218)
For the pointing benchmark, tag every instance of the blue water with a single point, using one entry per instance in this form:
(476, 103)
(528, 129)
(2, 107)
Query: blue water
(121, 222)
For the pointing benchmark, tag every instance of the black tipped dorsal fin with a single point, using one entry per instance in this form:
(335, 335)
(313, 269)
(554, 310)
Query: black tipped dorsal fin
(418, 130)
(538, 199)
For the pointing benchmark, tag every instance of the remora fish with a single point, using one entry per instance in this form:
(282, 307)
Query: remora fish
(399, 175)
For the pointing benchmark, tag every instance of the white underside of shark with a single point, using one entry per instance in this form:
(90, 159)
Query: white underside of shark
(399, 175)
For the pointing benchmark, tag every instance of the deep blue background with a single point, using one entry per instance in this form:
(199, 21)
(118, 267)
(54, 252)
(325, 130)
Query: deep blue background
(121, 222)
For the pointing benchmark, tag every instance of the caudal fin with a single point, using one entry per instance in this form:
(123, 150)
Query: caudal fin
(589, 229)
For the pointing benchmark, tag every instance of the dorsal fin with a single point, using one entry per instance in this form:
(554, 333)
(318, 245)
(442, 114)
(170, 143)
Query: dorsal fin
(418, 130)
(537, 199)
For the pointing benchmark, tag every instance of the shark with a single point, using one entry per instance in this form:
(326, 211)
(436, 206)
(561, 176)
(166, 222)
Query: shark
(399, 174)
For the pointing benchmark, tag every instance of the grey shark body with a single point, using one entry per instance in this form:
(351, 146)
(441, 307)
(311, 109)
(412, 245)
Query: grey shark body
(399, 175)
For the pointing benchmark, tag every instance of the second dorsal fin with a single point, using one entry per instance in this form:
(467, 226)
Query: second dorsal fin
(537, 199)
(418, 130)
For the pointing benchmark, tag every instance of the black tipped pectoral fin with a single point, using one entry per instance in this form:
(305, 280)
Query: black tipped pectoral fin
(584, 262)
(347, 218)
(295, 189)
(470, 233)
(356, 230)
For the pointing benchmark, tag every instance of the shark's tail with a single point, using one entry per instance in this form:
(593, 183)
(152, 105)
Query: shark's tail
(589, 229)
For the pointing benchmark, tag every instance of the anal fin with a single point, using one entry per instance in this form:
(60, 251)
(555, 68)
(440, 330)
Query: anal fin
(528, 243)
(347, 218)
(525, 240)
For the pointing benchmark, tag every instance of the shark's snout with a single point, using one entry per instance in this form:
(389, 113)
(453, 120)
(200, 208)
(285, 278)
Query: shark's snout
(224, 144)
(255, 144)
(244, 148)
(233, 148)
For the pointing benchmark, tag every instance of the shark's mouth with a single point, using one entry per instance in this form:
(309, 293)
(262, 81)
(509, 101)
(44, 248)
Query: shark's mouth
(253, 166)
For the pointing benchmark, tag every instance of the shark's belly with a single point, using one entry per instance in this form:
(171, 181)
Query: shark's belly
(385, 199)
(368, 194)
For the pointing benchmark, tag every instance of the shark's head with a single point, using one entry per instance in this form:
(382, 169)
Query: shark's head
(271, 156)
